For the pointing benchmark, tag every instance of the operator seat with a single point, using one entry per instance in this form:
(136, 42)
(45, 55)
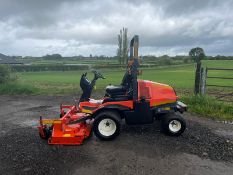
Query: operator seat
(114, 91)
(120, 90)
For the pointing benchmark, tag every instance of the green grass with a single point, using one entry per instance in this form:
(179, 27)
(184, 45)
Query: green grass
(219, 73)
(218, 63)
(55, 82)
(209, 107)
(179, 76)
(13, 88)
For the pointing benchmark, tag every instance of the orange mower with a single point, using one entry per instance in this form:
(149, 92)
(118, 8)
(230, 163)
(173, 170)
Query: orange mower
(135, 101)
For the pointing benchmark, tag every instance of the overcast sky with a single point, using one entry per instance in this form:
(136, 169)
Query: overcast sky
(84, 27)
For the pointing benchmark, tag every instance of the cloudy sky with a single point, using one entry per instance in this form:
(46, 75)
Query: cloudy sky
(84, 27)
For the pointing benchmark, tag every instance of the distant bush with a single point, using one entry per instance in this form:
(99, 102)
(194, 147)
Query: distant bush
(4, 74)
(52, 57)
(219, 57)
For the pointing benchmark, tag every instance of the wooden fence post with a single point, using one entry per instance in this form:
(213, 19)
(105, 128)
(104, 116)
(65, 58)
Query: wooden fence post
(203, 80)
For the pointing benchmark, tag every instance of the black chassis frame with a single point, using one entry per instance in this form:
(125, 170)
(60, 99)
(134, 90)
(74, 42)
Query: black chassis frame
(143, 113)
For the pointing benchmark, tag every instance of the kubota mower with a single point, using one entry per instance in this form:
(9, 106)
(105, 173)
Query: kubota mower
(135, 101)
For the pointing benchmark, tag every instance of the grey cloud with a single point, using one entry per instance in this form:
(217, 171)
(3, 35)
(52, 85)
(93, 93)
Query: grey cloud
(186, 7)
(57, 25)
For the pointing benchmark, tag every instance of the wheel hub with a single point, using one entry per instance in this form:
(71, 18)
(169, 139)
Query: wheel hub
(174, 126)
(107, 127)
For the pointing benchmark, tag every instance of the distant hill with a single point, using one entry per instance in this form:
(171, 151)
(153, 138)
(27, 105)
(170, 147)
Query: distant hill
(4, 59)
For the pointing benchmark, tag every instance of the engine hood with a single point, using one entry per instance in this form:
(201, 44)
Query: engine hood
(157, 93)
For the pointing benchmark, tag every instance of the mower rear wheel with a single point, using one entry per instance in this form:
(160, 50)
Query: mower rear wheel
(173, 124)
(107, 125)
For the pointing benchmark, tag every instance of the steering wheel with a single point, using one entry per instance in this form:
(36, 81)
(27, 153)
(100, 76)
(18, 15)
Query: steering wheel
(98, 75)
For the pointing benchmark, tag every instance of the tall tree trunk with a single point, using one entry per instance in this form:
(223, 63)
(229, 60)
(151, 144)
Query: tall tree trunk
(119, 50)
(124, 46)
(122, 52)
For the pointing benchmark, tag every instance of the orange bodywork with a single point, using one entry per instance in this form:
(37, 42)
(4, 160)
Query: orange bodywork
(156, 93)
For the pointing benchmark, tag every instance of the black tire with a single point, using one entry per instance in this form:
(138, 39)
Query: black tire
(173, 119)
(47, 132)
(113, 120)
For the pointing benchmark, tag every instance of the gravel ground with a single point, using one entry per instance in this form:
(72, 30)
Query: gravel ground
(206, 147)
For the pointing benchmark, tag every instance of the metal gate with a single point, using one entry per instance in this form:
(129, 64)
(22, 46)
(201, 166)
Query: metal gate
(223, 92)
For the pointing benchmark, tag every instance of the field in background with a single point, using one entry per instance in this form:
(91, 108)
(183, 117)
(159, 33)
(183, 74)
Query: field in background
(179, 76)
(59, 82)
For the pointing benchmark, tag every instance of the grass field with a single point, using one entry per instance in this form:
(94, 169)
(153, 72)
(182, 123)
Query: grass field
(180, 77)
(59, 82)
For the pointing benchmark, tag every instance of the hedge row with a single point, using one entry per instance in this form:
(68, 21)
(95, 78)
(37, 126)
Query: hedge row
(112, 66)
(60, 67)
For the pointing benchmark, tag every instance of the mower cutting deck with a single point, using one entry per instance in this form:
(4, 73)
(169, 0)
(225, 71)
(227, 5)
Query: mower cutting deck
(135, 101)
(72, 128)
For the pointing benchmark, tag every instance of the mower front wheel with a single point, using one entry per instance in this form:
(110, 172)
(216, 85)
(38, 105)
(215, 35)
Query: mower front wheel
(107, 125)
(173, 124)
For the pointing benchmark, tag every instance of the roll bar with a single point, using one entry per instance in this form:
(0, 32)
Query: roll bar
(134, 44)
(130, 77)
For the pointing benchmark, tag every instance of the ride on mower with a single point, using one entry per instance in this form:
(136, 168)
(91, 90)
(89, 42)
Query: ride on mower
(135, 101)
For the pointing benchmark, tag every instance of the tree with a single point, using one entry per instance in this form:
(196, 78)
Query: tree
(52, 57)
(197, 54)
(122, 52)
